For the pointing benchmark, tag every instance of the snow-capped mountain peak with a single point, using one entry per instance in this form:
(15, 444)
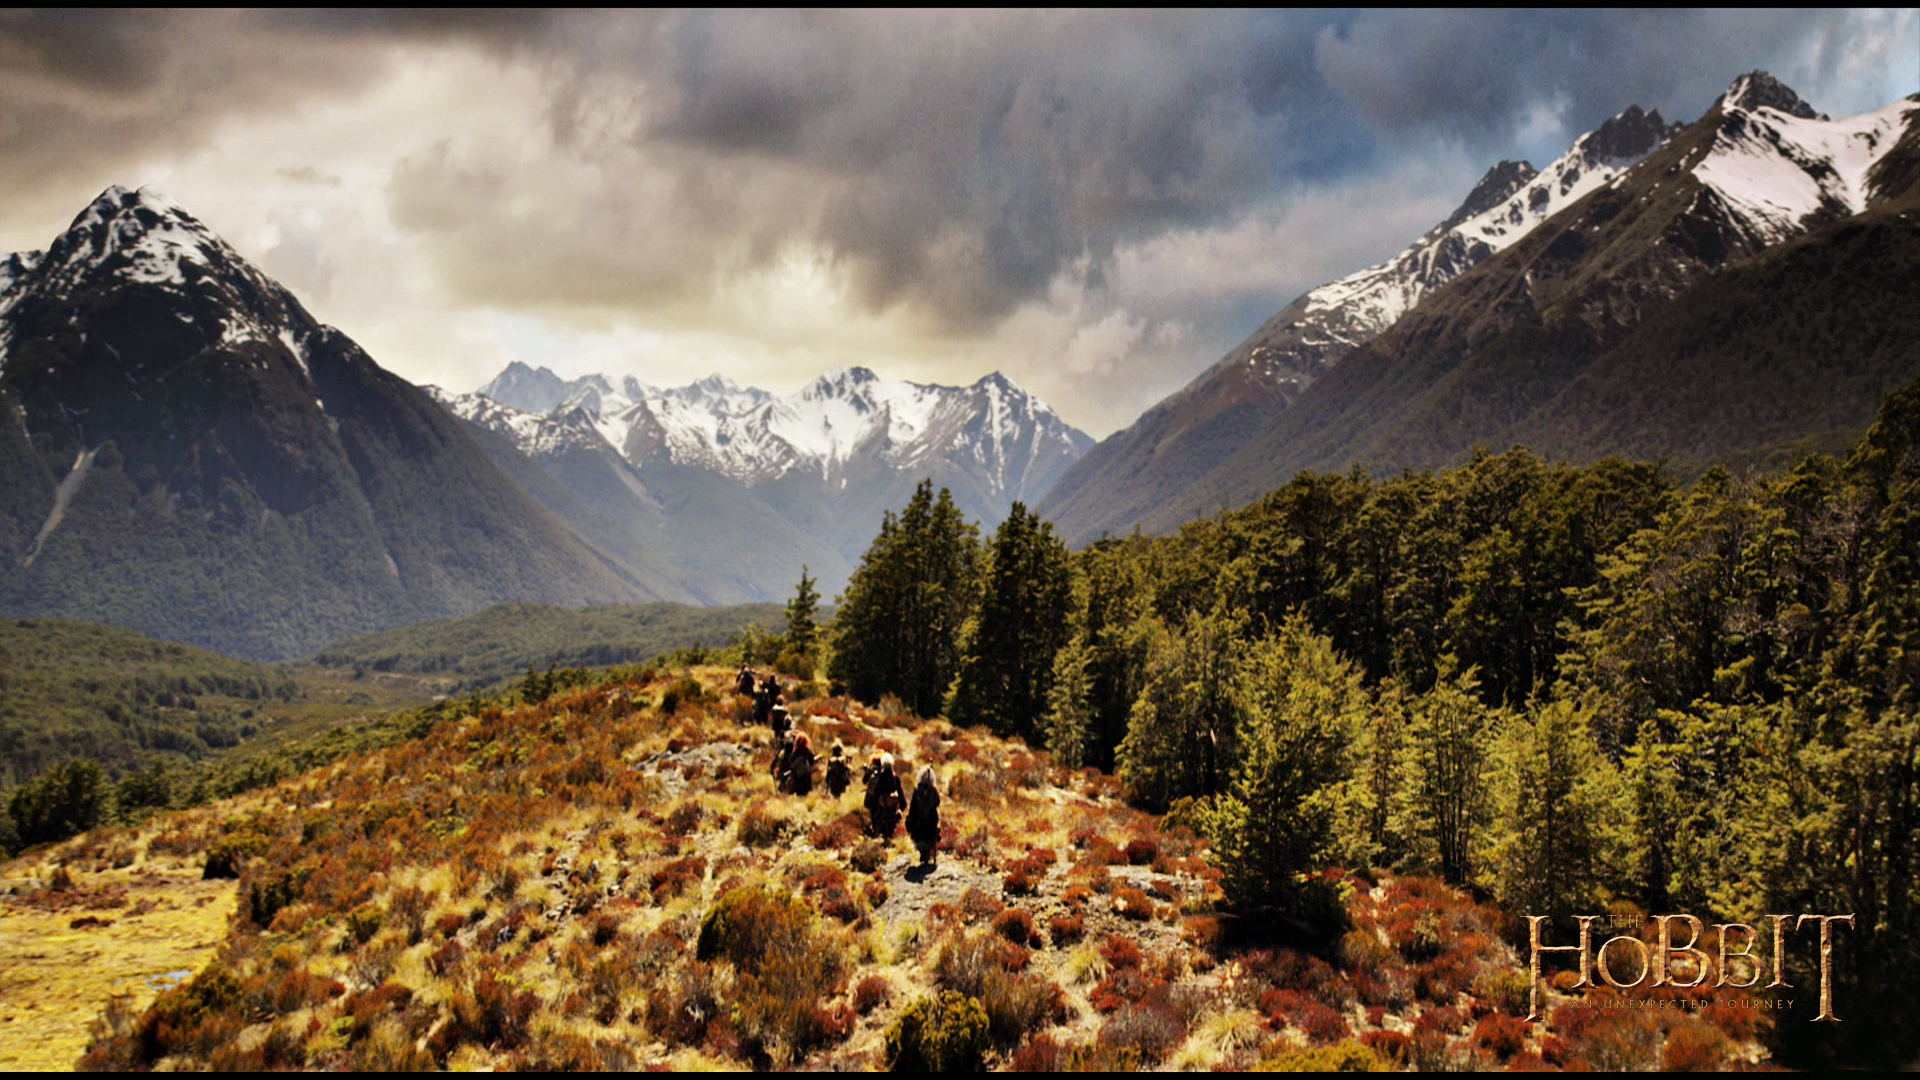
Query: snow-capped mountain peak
(1758, 89)
(141, 238)
(1774, 165)
(1316, 330)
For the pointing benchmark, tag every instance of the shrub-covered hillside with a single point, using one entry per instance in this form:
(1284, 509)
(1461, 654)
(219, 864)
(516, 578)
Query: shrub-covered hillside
(607, 879)
(504, 641)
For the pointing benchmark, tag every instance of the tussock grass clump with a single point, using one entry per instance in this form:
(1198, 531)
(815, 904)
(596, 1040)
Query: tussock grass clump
(760, 827)
(1346, 1057)
(786, 963)
(943, 1034)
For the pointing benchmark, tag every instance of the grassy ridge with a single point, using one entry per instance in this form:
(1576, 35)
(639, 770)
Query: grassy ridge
(506, 641)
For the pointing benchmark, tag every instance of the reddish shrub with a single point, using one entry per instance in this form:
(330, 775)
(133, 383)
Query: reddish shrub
(1742, 1024)
(1125, 986)
(1041, 1054)
(976, 905)
(1201, 931)
(1120, 952)
(1020, 881)
(1103, 852)
(1619, 1040)
(489, 1014)
(1527, 1061)
(363, 1007)
(1131, 903)
(1323, 1025)
(1148, 1030)
(1016, 926)
(683, 1011)
(1391, 1046)
(673, 878)
(838, 833)
(871, 993)
(1694, 1047)
(299, 989)
(1141, 851)
(447, 959)
(1500, 1035)
(1065, 929)
(1445, 1020)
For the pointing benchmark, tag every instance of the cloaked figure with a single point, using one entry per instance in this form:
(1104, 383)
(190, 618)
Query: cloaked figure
(885, 800)
(765, 701)
(781, 724)
(743, 685)
(839, 773)
(923, 816)
(796, 774)
(782, 746)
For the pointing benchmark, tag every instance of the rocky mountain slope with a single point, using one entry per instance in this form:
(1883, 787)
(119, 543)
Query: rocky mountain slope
(185, 451)
(1749, 289)
(1530, 344)
(1168, 454)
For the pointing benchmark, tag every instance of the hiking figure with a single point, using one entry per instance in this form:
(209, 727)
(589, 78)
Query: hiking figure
(782, 747)
(796, 773)
(765, 700)
(839, 773)
(923, 818)
(744, 684)
(885, 800)
(778, 718)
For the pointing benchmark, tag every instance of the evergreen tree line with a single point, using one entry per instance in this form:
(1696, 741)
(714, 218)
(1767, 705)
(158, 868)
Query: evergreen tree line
(1567, 687)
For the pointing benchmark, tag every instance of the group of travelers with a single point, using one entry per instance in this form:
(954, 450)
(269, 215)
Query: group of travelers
(793, 762)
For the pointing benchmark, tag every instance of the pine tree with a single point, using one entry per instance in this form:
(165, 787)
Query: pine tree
(898, 626)
(1069, 721)
(1549, 850)
(1302, 706)
(1443, 762)
(1007, 650)
(1181, 731)
(799, 655)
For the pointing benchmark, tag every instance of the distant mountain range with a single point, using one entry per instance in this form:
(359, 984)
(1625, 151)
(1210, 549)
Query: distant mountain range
(739, 488)
(186, 452)
(1718, 292)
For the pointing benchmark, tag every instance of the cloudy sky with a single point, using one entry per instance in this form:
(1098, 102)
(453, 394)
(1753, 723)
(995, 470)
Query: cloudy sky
(1099, 205)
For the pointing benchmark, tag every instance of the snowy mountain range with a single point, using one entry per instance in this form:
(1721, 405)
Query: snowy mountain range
(1634, 215)
(1012, 442)
(741, 488)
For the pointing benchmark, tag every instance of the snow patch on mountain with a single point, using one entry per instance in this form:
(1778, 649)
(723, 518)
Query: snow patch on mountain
(1360, 306)
(535, 434)
(141, 236)
(15, 270)
(1775, 168)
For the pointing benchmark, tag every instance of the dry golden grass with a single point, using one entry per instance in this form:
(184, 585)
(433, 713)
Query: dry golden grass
(526, 888)
(156, 918)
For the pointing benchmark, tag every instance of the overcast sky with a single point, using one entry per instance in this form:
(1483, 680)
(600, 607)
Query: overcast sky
(1099, 205)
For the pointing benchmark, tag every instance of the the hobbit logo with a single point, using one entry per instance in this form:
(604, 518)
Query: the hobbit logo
(1681, 965)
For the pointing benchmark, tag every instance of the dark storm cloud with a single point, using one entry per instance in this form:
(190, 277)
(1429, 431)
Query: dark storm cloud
(954, 162)
(961, 161)
(1476, 74)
